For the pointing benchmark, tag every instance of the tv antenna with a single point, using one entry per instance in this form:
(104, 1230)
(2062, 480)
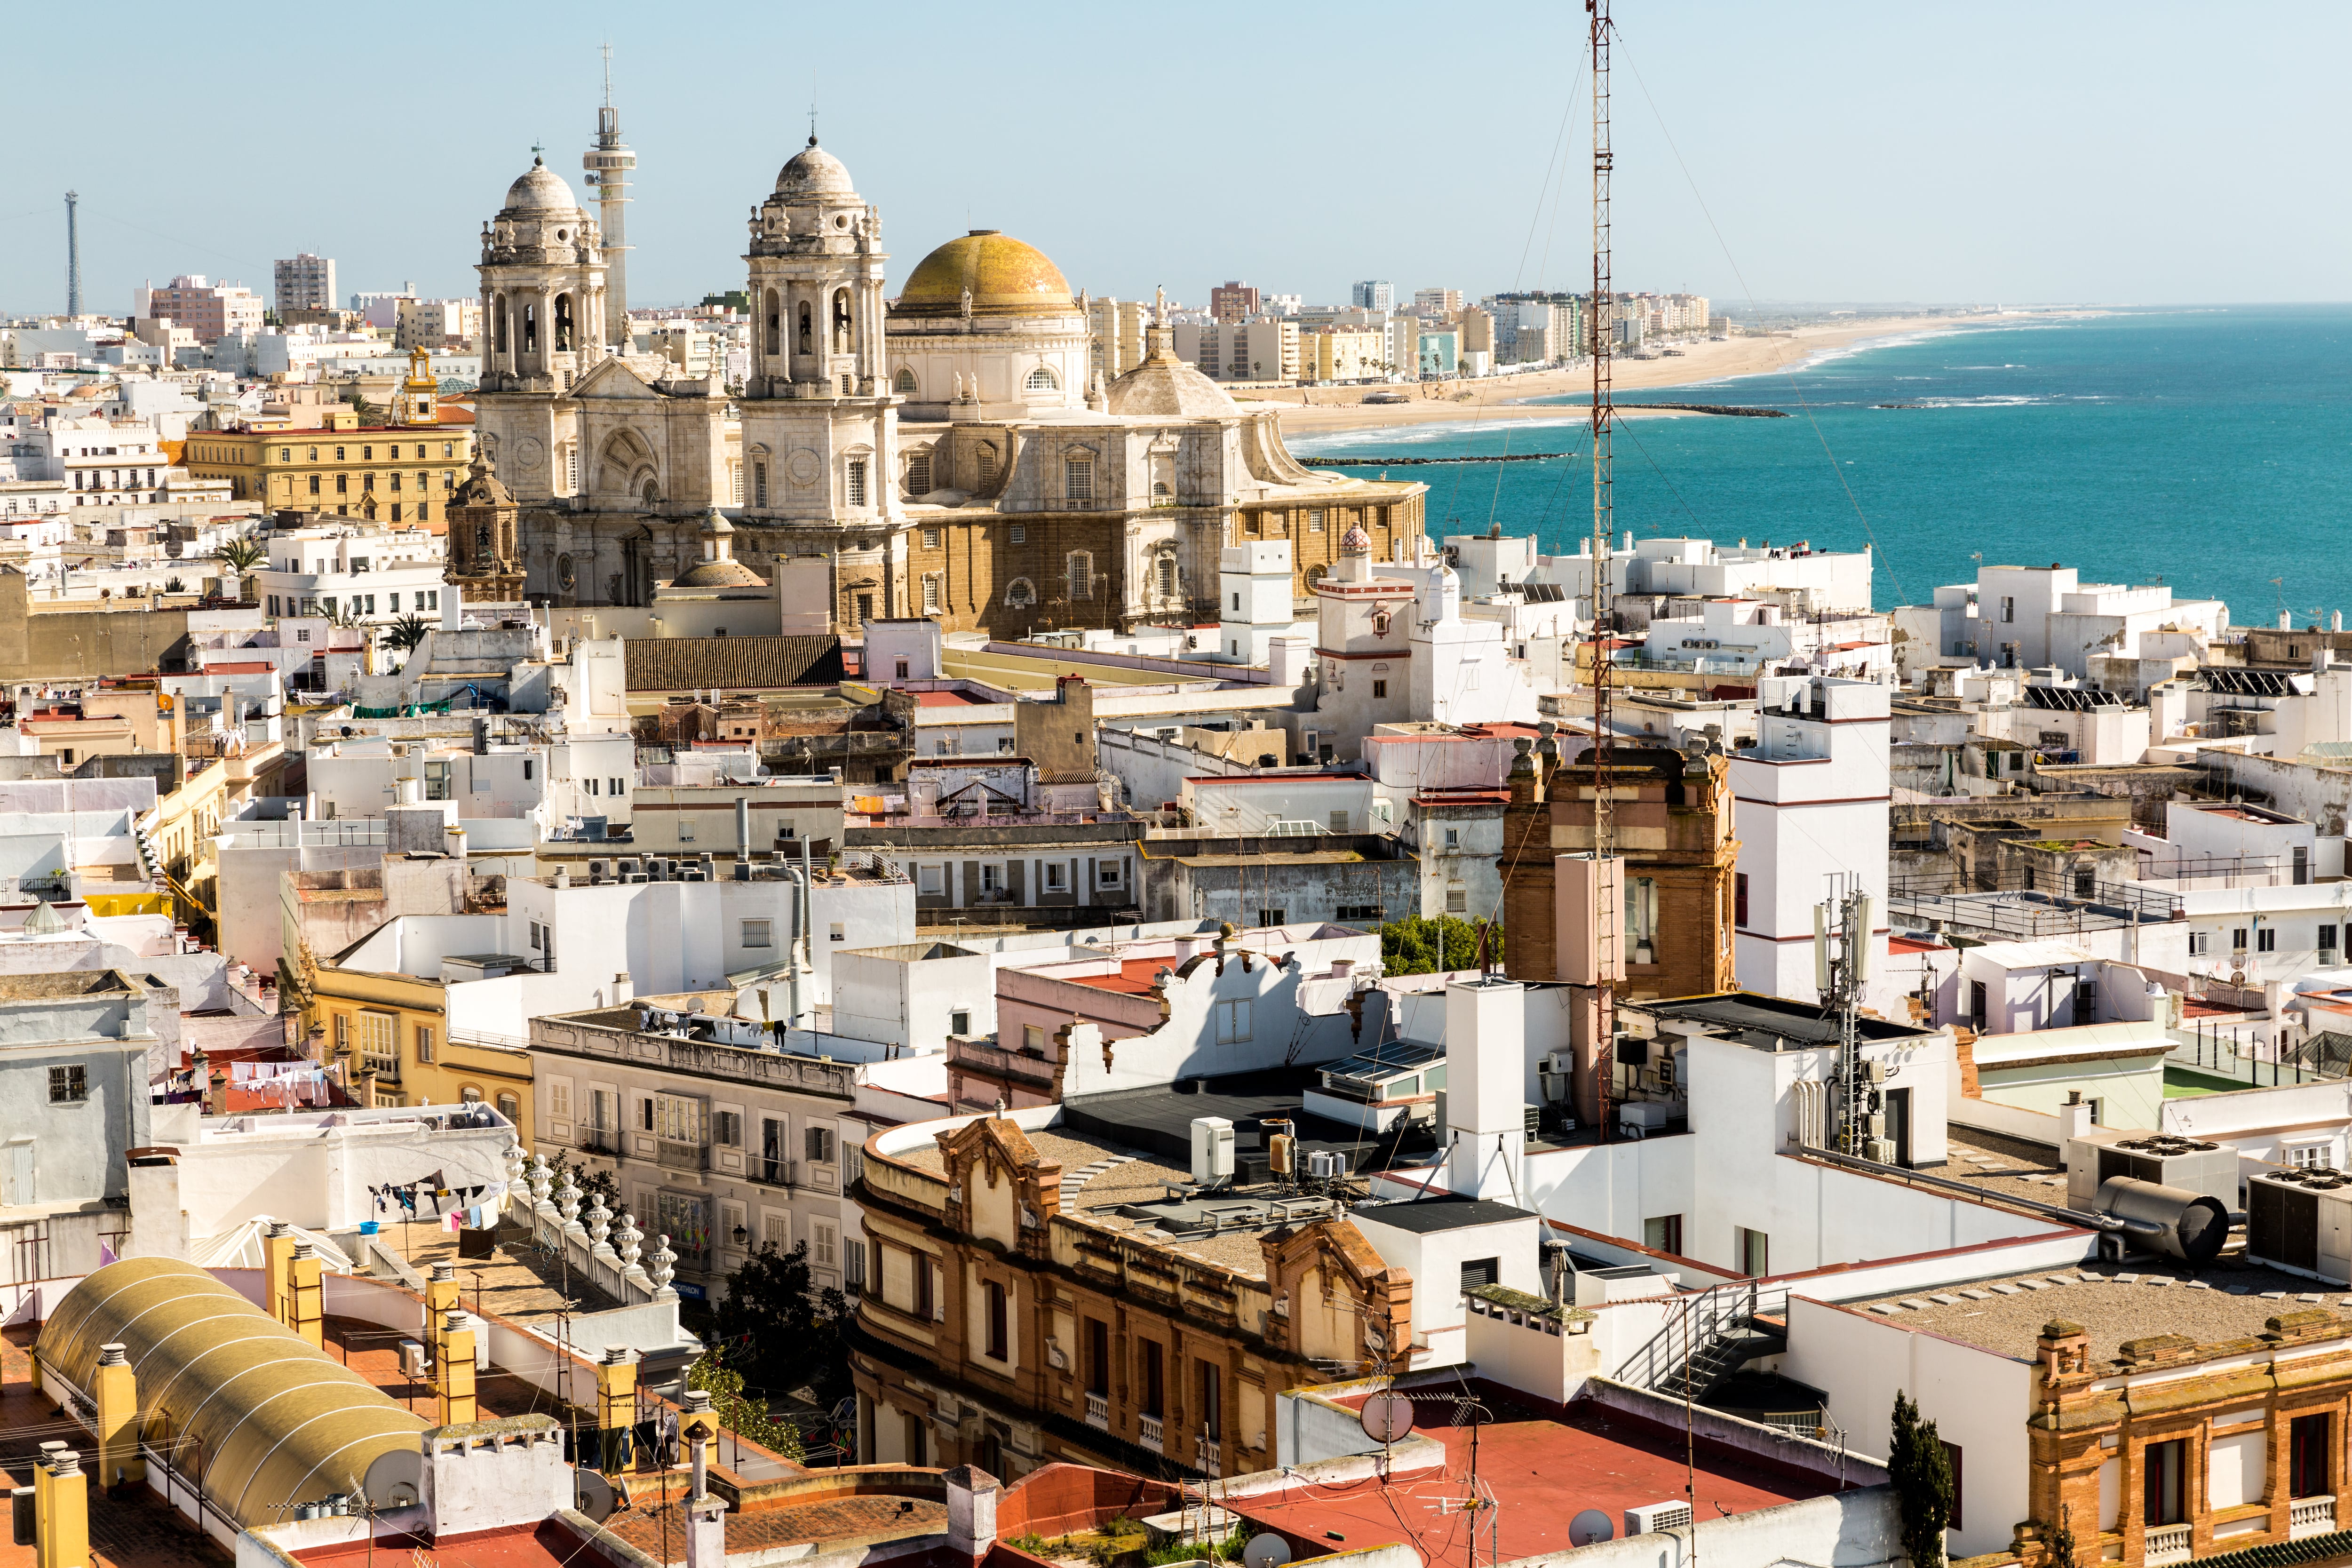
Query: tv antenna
(1606, 911)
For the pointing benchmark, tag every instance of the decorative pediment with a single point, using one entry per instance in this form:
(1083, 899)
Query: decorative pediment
(611, 377)
(1000, 1187)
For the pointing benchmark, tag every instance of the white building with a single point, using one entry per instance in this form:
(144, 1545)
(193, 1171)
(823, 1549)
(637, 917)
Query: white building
(1253, 602)
(1811, 808)
(1461, 670)
(2033, 616)
(367, 572)
(102, 462)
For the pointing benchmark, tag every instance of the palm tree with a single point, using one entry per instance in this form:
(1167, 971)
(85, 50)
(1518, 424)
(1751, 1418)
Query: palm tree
(406, 633)
(240, 556)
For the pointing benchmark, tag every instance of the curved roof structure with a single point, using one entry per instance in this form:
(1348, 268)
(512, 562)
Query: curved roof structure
(276, 1422)
(540, 189)
(1006, 278)
(813, 171)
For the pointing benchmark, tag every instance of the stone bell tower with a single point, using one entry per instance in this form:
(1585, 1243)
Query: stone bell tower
(820, 426)
(542, 272)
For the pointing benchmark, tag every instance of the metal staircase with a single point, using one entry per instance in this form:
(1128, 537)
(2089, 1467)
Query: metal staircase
(1714, 1333)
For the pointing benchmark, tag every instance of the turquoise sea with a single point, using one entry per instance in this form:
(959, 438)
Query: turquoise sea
(2207, 448)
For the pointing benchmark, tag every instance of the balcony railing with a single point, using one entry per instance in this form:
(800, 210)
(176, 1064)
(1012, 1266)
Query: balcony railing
(1149, 1433)
(776, 1173)
(2170, 1543)
(682, 1156)
(2311, 1516)
(599, 1140)
(1099, 1411)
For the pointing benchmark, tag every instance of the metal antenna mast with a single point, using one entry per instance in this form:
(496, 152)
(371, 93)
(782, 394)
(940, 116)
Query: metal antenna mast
(73, 254)
(1607, 914)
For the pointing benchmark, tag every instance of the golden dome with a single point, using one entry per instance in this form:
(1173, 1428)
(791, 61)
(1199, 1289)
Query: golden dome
(1006, 278)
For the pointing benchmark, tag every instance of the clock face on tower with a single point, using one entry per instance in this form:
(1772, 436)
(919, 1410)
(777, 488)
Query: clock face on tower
(529, 453)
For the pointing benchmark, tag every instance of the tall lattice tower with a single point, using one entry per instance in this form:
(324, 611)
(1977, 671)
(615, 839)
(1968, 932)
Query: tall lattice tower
(73, 253)
(608, 164)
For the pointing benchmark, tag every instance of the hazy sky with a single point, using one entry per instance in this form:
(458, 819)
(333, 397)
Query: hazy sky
(2071, 151)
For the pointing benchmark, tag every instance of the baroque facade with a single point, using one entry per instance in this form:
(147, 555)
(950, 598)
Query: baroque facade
(951, 452)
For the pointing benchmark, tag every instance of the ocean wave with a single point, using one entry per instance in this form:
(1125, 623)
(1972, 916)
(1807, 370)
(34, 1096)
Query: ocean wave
(1335, 444)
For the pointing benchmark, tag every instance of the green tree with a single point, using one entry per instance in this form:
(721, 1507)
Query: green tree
(1424, 944)
(2062, 1538)
(406, 633)
(740, 1414)
(786, 1330)
(1921, 1473)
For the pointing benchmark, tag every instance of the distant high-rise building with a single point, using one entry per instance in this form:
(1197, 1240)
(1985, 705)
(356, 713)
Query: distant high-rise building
(1373, 294)
(1281, 304)
(305, 282)
(1433, 304)
(211, 311)
(1234, 301)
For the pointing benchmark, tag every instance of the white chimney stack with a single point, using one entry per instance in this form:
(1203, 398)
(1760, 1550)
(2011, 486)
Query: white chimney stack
(1486, 1086)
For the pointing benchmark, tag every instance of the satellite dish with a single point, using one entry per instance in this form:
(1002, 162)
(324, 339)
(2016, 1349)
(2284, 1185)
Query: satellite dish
(1266, 1550)
(1589, 1526)
(394, 1479)
(592, 1495)
(1387, 1417)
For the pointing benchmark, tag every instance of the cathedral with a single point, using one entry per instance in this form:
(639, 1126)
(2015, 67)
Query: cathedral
(940, 453)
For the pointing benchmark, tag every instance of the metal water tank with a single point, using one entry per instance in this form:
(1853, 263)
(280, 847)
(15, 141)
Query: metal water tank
(2187, 1227)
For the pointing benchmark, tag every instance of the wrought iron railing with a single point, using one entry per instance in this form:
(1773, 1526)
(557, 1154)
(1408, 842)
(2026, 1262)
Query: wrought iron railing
(1692, 1352)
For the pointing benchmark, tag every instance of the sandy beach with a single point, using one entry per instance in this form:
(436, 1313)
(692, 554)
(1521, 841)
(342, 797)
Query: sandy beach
(1312, 410)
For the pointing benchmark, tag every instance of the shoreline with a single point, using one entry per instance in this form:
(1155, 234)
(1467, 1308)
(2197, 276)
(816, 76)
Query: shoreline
(1321, 410)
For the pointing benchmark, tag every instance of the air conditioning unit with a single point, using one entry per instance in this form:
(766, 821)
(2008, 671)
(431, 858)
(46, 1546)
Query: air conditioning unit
(1879, 1151)
(1325, 1164)
(2301, 1221)
(412, 1359)
(1212, 1149)
(1555, 1074)
(1641, 1118)
(1651, 1518)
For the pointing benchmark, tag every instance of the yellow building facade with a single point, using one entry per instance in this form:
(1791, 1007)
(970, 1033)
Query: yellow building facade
(391, 1033)
(400, 472)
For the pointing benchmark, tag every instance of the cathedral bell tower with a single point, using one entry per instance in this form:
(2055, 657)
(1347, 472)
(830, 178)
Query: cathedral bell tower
(542, 272)
(820, 426)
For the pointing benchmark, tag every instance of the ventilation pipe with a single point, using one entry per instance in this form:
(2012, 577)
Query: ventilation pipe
(742, 839)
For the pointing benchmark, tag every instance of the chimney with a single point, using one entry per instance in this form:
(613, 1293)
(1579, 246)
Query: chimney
(277, 1258)
(743, 835)
(453, 1372)
(972, 1510)
(117, 1418)
(624, 988)
(1486, 1093)
(305, 1296)
(61, 1510)
(616, 1407)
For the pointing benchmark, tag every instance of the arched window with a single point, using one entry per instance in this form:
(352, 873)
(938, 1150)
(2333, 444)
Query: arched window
(530, 328)
(840, 333)
(1315, 574)
(1019, 592)
(808, 343)
(510, 1106)
(906, 382)
(987, 465)
(653, 493)
(1042, 380)
(1168, 576)
(563, 323)
(1078, 477)
(498, 317)
(775, 324)
(1081, 569)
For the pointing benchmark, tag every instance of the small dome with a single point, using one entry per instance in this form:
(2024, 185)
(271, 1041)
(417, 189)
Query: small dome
(718, 575)
(541, 189)
(482, 487)
(813, 171)
(1169, 388)
(1356, 541)
(1004, 277)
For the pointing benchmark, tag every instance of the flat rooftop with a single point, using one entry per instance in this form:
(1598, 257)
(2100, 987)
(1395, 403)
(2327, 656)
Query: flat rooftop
(2004, 1313)
(1426, 1216)
(1541, 1470)
(1773, 1023)
(1158, 1120)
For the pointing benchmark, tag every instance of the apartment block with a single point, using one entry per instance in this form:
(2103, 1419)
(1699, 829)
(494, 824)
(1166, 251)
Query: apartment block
(304, 282)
